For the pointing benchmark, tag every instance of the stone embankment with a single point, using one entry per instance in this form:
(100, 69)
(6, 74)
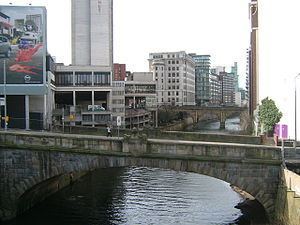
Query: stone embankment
(288, 199)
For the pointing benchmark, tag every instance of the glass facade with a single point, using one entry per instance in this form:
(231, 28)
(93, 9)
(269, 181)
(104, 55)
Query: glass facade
(202, 86)
(82, 79)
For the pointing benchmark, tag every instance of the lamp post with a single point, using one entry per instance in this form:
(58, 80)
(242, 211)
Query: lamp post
(295, 143)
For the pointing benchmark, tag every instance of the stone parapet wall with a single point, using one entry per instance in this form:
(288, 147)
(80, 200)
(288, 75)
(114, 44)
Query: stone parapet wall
(28, 159)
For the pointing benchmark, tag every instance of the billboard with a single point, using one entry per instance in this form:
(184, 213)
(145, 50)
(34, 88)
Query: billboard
(22, 45)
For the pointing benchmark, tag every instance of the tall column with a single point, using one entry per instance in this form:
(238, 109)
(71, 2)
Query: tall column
(74, 98)
(27, 112)
(47, 114)
(93, 104)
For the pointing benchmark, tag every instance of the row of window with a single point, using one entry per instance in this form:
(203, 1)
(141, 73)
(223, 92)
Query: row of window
(82, 79)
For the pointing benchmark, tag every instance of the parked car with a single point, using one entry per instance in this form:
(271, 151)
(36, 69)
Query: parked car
(28, 40)
(5, 47)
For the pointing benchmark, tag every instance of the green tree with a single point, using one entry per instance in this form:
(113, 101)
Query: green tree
(269, 114)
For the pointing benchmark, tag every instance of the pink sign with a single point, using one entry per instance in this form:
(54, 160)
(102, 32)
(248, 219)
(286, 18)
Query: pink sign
(281, 130)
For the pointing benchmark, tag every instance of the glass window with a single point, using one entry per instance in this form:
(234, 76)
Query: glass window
(101, 78)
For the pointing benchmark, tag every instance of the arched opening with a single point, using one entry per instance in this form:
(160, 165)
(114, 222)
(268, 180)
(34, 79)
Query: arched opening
(136, 194)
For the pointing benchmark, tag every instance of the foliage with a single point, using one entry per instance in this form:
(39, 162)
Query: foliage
(269, 114)
(166, 115)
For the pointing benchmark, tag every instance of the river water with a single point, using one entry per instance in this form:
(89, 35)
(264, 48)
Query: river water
(134, 196)
(232, 125)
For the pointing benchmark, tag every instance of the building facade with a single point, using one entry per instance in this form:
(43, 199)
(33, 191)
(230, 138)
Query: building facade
(174, 73)
(140, 100)
(215, 90)
(86, 93)
(202, 85)
(234, 71)
(92, 32)
(253, 58)
(227, 89)
(119, 72)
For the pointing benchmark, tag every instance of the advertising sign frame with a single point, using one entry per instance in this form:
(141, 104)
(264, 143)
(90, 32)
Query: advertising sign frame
(25, 28)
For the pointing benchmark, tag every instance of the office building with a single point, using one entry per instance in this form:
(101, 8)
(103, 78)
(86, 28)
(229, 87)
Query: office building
(215, 90)
(87, 88)
(92, 32)
(174, 73)
(26, 71)
(141, 101)
(227, 89)
(202, 86)
(119, 72)
(234, 71)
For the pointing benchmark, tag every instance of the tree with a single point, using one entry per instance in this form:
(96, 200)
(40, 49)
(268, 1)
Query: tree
(269, 114)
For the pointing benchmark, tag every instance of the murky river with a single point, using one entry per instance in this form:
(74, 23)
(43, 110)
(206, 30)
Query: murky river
(138, 196)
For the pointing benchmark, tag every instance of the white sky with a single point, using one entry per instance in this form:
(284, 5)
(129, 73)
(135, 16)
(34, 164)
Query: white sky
(217, 27)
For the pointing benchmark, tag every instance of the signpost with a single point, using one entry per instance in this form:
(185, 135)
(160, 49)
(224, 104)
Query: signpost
(119, 123)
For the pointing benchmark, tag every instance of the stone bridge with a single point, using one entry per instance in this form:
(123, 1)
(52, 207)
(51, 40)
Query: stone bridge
(219, 113)
(35, 165)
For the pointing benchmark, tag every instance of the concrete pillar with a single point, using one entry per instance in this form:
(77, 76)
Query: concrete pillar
(46, 114)
(27, 119)
(222, 120)
(93, 104)
(74, 98)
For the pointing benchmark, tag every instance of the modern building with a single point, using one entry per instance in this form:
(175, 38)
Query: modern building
(174, 73)
(141, 101)
(92, 33)
(87, 88)
(119, 72)
(215, 90)
(227, 89)
(26, 77)
(253, 58)
(234, 71)
(202, 86)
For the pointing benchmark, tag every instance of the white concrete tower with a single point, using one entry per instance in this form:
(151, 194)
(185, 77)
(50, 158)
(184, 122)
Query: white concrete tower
(92, 32)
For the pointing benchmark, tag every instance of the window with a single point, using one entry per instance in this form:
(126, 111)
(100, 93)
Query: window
(101, 78)
(64, 79)
(83, 78)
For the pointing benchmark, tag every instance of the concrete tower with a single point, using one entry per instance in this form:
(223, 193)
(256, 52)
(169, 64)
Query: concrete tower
(253, 58)
(92, 32)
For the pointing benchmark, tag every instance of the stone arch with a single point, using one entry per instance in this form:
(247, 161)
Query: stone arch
(54, 165)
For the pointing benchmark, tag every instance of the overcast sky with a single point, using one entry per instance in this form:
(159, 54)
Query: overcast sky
(216, 27)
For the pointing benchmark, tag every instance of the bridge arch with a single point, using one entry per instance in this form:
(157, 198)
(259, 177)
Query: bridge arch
(55, 167)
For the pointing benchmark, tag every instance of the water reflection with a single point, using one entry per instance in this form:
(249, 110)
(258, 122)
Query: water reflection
(138, 196)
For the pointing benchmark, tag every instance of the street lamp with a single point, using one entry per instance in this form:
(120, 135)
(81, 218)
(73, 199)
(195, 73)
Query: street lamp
(295, 143)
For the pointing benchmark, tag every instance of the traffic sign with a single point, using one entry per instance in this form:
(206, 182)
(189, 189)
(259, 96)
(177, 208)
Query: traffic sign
(119, 121)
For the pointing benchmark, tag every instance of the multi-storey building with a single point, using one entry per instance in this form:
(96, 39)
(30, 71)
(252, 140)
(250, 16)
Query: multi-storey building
(141, 101)
(234, 71)
(119, 72)
(86, 92)
(174, 73)
(202, 86)
(227, 88)
(92, 32)
(215, 89)
(26, 83)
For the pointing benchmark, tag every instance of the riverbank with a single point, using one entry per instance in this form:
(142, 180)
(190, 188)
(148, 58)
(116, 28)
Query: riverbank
(253, 212)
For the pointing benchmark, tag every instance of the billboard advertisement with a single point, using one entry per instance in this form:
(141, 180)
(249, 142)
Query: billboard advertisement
(22, 45)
